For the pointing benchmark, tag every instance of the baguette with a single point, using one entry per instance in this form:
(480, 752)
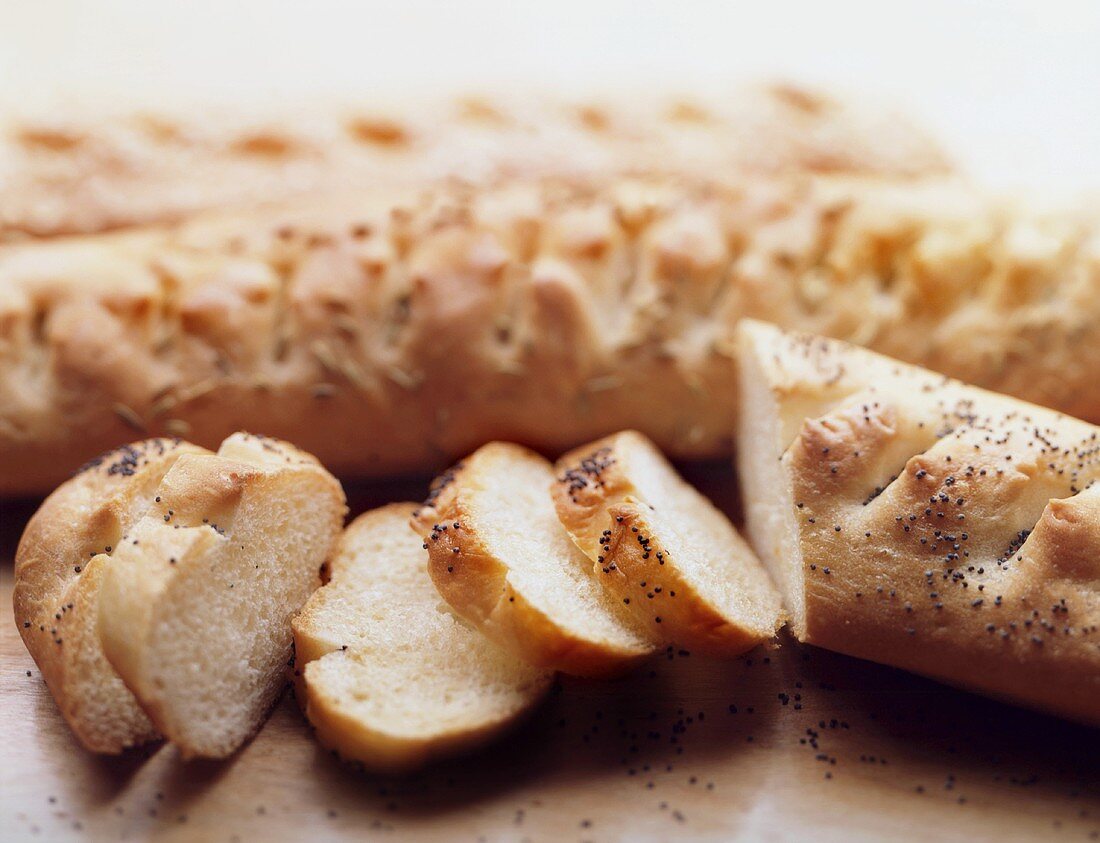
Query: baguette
(196, 603)
(571, 310)
(388, 676)
(501, 559)
(663, 549)
(86, 173)
(60, 563)
(923, 523)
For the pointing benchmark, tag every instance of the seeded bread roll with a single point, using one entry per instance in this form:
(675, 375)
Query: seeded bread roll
(59, 567)
(550, 314)
(388, 676)
(502, 560)
(196, 603)
(919, 522)
(66, 172)
(663, 549)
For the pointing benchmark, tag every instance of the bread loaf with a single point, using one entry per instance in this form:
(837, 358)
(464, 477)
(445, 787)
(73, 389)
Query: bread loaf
(547, 313)
(663, 549)
(67, 172)
(388, 676)
(922, 523)
(502, 560)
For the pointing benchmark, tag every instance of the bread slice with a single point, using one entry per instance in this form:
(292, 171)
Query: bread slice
(389, 676)
(195, 605)
(65, 550)
(923, 523)
(663, 549)
(501, 559)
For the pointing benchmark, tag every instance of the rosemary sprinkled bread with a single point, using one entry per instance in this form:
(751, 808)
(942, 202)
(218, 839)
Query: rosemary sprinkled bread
(196, 601)
(572, 309)
(60, 564)
(388, 676)
(73, 170)
(502, 560)
(663, 549)
(919, 522)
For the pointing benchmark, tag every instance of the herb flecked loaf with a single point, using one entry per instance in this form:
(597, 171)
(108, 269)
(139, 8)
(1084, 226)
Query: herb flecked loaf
(86, 170)
(548, 314)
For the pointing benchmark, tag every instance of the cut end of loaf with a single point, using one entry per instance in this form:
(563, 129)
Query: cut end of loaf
(765, 488)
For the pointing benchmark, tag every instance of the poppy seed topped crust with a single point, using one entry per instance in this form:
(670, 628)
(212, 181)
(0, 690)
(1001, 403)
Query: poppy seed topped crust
(663, 549)
(923, 523)
(59, 567)
(154, 560)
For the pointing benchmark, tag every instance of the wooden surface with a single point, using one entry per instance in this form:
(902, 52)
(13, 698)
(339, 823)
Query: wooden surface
(821, 747)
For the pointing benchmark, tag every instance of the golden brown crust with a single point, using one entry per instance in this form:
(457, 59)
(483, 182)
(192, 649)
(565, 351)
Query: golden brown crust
(942, 528)
(587, 480)
(75, 173)
(570, 310)
(638, 569)
(473, 579)
(600, 504)
(349, 737)
(58, 570)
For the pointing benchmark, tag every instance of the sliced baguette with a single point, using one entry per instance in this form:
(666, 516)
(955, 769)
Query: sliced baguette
(195, 606)
(663, 549)
(62, 557)
(501, 559)
(388, 675)
(923, 523)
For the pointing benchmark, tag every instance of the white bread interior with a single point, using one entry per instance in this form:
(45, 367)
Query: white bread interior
(663, 549)
(195, 607)
(390, 676)
(501, 559)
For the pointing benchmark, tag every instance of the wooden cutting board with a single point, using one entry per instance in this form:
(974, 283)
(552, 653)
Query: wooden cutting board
(786, 743)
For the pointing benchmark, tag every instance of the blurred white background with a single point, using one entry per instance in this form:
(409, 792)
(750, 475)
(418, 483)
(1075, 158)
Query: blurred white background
(1013, 88)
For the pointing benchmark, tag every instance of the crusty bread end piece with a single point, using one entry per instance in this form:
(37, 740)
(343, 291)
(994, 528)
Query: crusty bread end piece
(663, 549)
(502, 560)
(65, 549)
(195, 605)
(389, 677)
(923, 523)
